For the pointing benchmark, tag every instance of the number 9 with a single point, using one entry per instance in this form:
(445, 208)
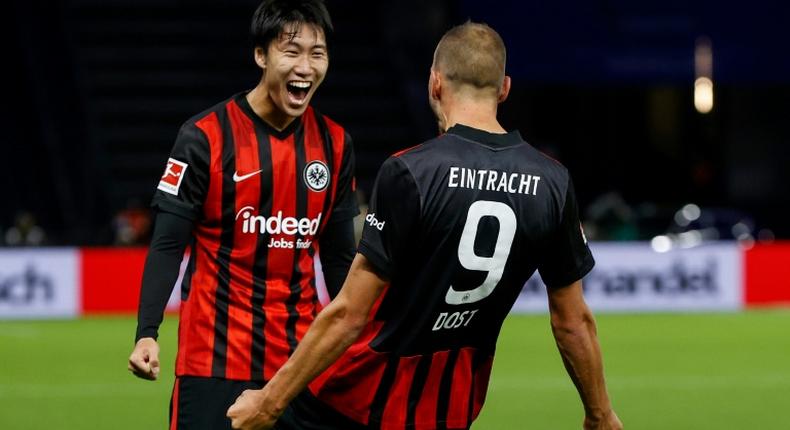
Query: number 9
(494, 265)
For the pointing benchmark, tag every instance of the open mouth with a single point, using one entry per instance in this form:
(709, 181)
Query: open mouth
(298, 90)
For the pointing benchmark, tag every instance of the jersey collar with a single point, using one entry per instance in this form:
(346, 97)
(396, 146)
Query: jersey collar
(241, 100)
(511, 138)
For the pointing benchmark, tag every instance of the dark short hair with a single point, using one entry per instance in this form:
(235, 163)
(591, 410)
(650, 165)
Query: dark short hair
(272, 16)
(472, 54)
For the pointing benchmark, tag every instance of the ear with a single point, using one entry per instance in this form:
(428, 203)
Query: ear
(435, 85)
(503, 93)
(260, 57)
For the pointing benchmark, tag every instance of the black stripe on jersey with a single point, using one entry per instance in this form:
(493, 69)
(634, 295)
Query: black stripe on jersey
(186, 283)
(417, 386)
(259, 271)
(221, 299)
(477, 359)
(329, 153)
(445, 387)
(301, 212)
(383, 391)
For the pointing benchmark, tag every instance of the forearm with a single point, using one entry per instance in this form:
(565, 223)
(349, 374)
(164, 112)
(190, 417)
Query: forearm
(577, 341)
(332, 332)
(328, 337)
(338, 248)
(170, 238)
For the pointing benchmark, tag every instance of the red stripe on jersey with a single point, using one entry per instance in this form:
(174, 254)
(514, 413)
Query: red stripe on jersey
(403, 151)
(482, 375)
(394, 416)
(314, 150)
(350, 384)
(280, 260)
(425, 415)
(458, 408)
(174, 406)
(248, 195)
(195, 330)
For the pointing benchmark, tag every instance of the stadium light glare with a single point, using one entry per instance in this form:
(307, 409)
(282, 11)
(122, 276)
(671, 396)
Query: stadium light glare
(681, 220)
(746, 241)
(703, 95)
(661, 244)
(703, 73)
(740, 229)
(691, 212)
(689, 239)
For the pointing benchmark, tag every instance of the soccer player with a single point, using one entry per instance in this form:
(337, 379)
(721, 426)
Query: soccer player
(456, 226)
(256, 185)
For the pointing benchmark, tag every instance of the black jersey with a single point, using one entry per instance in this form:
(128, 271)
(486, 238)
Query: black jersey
(458, 225)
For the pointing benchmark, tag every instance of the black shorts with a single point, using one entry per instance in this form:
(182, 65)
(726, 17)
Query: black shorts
(201, 403)
(306, 412)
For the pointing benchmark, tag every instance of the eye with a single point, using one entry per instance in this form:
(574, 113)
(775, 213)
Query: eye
(319, 54)
(291, 53)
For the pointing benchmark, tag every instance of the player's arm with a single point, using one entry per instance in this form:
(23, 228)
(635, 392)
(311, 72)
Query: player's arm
(170, 238)
(566, 260)
(332, 332)
(337, 242)
(574, 330)
(178, 204)
(337, 252)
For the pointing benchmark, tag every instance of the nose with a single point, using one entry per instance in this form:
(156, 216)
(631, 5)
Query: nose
(302, 66)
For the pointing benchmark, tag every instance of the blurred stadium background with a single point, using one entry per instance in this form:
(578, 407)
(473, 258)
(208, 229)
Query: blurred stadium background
(671, 116)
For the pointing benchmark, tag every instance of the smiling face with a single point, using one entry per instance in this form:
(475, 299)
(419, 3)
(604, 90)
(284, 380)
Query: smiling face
(294, 66)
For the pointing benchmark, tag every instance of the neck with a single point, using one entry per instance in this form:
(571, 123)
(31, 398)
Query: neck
(472, 113)
(263, 106)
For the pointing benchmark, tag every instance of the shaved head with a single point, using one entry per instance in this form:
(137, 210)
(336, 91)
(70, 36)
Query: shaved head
(472, 55)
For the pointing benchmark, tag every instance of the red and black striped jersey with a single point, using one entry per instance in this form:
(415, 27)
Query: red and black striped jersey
(259, 198)
(458, 225)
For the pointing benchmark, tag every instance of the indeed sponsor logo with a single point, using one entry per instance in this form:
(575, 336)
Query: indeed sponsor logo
(371, 219)
(28, 287)
(277, 224)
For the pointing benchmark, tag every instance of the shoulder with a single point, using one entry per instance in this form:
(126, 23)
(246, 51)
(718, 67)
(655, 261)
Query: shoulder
(551, 170)
(339, 137)
(420, 150)
(325, 120)
(208, 119)
(214, 110)
(551, 164)
(429, 155)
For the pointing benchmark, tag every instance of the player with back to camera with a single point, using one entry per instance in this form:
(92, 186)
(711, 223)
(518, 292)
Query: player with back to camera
(254, 184)
(456, 226)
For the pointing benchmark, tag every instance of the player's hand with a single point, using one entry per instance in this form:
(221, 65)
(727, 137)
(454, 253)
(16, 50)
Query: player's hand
(609, 421)
(250, 413)
(144, 361)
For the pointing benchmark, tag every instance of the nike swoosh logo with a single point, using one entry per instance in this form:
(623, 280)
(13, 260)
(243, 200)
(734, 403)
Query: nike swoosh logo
(237, 178)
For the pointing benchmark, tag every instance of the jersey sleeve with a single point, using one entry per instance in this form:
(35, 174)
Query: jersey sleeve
(568, 258)
(345, 205)
(392, 217)
(183, 186)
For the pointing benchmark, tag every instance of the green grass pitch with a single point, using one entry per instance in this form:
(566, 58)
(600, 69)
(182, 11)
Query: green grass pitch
(664, 371)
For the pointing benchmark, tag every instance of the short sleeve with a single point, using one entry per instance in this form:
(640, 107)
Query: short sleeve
(568, 258)
(392, 217)
(345, 205)
(183, 186)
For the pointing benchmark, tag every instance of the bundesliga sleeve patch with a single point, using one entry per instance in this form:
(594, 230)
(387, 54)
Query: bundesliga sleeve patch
(174, 174)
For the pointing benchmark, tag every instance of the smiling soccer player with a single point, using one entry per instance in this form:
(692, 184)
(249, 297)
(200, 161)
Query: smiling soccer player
(255, 184)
